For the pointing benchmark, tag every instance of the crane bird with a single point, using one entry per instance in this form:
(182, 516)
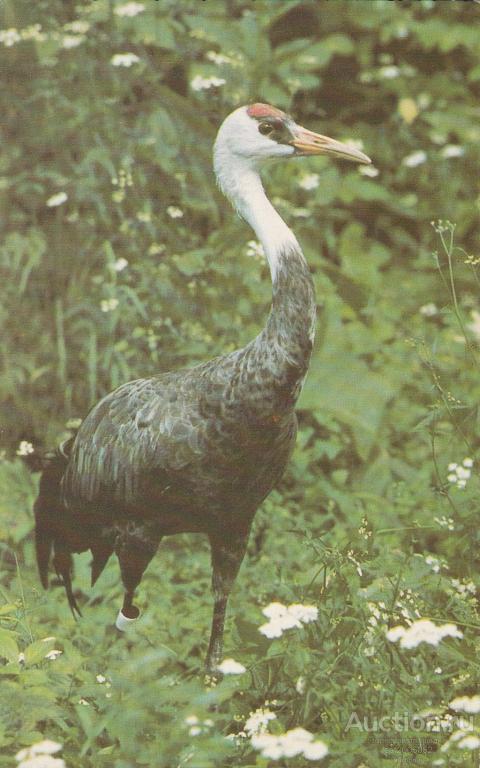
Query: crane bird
(195, 450)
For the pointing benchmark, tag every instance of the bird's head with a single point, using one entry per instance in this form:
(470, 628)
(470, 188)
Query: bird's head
(259, 131)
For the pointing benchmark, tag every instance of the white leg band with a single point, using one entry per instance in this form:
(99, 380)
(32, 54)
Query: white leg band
(123, 623)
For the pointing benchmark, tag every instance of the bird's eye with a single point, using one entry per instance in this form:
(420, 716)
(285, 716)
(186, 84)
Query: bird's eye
(265, 128)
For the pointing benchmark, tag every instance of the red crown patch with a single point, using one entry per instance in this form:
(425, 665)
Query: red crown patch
(264, 110)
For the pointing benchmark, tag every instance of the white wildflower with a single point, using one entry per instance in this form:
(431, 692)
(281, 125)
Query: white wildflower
(21, 658)
(200, 83)
(100, 678)
(255, 250)
(53, 654)
(369, 170)
(78, 27)
(108, 305)
(33, 32)
(298, 741)
(414, 159)
(9, 37)
(39, 755)
(231, 667)
(429, 310)
(174, 212)
(434, 563)
(309, 181)
(445, 522)
(45, 747)
(422, 631)
(469, 742)
(58, 199)
(257, 721)
(452, 150)
(124, 59)
(129, 9)
(84, 702)
(72, 41)
(300, 685)
(25, 448)
(191, 720)
(464, 587)
(389, 72)
(195, 730)
(470, 704)
(459, 474)
(284, 617)
(220, 58)
(42, 761)
(120, 264)
(304, 613)
(315, 751)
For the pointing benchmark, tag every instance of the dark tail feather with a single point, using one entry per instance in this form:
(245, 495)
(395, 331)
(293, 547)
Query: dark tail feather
(101, 555)
(48, 506)
(43, 548)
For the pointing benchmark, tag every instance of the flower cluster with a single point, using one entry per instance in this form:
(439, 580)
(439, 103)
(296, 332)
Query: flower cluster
(429, 310)
(298, 741)
(200, 83)
(282, 617)
(72, 41)
(108, 305)
(445, 522)
(119, 264)
(442, 225)
(255, 250)
(422, 631)
(78, 27)
(452, 150)
(460, 473)
(174, 212)
(129, 9)
(40, 755)
(12, 36)
(414, 159)
(25, 448)
(196, 727)
(258, 720)
(55, 200)
(53, 654)
(369, 170)
(470, 704)
(220, 59)
(124, 59)
(231, 667)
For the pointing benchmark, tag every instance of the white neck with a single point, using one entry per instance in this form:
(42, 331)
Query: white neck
(240, 181)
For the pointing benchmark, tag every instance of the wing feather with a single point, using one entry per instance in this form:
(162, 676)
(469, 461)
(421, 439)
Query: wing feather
(145, 429)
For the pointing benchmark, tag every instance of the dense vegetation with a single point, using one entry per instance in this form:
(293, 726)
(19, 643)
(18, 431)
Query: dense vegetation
(119, 258)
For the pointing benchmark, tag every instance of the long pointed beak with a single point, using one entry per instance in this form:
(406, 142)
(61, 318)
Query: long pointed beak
(309, 143)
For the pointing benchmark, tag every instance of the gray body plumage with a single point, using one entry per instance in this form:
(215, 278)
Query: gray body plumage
(197, 449)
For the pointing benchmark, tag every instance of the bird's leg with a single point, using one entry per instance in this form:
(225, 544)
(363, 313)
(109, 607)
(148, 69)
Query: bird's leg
(226, 561)
(134, 551)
